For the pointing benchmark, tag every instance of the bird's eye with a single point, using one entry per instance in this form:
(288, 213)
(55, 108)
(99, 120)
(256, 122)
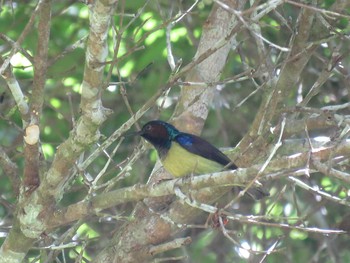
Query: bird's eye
(148, 128)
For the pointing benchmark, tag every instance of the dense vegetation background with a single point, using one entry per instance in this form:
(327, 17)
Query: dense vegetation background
(272, 77)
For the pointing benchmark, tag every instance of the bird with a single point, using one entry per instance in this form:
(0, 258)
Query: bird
(184, 154)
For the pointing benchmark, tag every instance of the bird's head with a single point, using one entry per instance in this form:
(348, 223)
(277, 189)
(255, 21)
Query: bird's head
(159, 133)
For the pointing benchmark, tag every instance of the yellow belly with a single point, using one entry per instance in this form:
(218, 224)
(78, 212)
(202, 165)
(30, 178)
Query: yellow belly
(180, 162)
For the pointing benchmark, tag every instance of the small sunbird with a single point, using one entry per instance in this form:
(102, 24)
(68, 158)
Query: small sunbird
(184, 154)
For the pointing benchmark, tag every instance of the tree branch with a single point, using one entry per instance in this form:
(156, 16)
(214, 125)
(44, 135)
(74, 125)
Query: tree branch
(32, 147)
(35, 209)
(10, 169)
(238, 177)
(16, 93)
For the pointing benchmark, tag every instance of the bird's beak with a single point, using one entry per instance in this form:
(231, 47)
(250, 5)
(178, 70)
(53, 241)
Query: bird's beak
(132, 134)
